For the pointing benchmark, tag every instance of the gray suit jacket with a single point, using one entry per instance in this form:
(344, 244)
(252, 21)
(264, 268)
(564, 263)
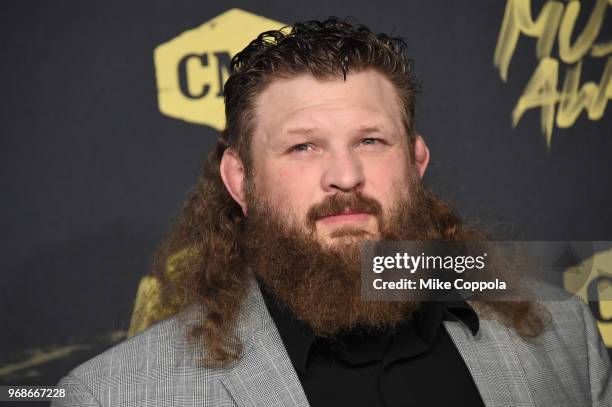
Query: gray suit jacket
(567, 365)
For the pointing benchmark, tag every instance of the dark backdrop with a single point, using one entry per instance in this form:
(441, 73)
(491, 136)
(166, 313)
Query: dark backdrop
(91, 172)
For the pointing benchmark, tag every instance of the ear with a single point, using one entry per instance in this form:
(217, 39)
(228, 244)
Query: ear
(232, 174)
(421, 155)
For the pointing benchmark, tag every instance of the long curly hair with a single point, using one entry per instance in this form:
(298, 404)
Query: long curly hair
(198, 263)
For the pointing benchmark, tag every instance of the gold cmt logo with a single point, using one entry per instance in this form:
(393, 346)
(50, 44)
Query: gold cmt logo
(592, 281)
(192, 68)
(557, 21)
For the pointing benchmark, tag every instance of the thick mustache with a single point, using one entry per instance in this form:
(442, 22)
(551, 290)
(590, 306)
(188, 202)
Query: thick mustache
(344, 203)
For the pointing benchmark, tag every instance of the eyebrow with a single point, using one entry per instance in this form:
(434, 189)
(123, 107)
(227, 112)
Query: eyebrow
(300, 131)
(372, 129)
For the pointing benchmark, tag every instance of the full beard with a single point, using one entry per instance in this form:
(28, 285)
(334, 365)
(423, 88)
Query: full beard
(321, 284)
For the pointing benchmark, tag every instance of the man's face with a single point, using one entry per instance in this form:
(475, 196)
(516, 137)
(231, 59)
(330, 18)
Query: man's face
(316, 139)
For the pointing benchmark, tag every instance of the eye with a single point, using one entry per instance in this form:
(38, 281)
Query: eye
(369, 141)
(301, 148)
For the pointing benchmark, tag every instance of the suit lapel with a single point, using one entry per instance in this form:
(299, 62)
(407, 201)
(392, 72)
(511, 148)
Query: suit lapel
(491, 358)
(264, 375)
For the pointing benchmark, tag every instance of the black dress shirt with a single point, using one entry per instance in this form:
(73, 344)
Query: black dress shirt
(415, 364)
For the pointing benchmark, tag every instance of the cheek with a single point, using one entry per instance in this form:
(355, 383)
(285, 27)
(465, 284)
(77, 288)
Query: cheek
(290, 188)
(387, 182)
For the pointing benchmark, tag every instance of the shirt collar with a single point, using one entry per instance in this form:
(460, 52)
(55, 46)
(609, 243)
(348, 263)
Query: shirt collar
(410, 338)
(416, 335)
(296, 335)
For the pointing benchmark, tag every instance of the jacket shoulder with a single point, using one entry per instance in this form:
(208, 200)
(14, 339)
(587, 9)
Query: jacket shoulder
(149, 366)
(569, 359)
(154, 348)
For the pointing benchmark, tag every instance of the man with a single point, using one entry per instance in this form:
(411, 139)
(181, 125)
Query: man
(261, 301)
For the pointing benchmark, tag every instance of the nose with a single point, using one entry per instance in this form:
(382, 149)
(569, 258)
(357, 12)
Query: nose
(343, 173)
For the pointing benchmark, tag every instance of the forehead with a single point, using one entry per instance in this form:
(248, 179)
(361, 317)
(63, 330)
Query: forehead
(365, 99)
